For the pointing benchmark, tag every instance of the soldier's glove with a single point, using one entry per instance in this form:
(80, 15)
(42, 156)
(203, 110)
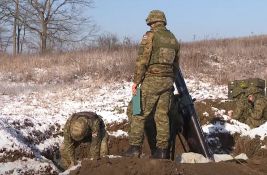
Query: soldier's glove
(72, 163)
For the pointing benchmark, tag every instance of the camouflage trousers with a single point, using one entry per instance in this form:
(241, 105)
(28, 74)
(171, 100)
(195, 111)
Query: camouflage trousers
(82, 150)
(155, 96)
(241, 111)
(253, 123)
(150, 127)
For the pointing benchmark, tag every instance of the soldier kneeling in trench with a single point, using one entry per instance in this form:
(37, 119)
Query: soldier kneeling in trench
(84, 137)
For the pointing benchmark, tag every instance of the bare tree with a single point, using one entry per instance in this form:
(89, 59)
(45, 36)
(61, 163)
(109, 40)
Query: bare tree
(3, 9)
(3, 18)
(56, 20)
(15, 27)
(52, 21)
(9, 17)
(108, 41)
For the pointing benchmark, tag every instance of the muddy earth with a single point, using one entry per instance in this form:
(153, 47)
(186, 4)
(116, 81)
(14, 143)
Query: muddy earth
(226, 143)
(145, 166)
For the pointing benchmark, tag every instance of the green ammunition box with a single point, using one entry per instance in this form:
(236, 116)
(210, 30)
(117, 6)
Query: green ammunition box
(246, 83)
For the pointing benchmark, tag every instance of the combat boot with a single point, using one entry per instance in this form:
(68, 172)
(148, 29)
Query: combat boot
(133, 151)
(160, 154)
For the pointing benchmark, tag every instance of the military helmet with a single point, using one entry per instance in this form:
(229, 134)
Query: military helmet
(237, 92)
(78, 128)
(252, 90)
(156, 16)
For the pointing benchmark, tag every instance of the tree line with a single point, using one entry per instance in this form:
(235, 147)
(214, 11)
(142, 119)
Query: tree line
(44, 25)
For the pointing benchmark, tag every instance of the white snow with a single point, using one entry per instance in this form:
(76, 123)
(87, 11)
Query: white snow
(113, 156)
(71, 169)
(260, 131)
(119, 133)
(27, 165)
(206, 114)
(233, 126)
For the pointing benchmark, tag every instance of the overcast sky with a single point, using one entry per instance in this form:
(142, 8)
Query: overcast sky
(187, 19)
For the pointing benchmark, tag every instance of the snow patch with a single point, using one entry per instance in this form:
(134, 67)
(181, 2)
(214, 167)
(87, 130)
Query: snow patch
(119, 133)
(28, 165)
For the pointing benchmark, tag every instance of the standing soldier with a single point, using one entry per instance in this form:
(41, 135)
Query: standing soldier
(242, 106)
(83, 128)
(258, 113)
(154, 71)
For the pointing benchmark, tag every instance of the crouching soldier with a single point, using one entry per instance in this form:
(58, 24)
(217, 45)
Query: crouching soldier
(243, 106)
(83, 128)
(258, 113)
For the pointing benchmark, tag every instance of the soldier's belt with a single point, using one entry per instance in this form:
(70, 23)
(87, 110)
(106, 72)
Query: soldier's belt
(160, 72)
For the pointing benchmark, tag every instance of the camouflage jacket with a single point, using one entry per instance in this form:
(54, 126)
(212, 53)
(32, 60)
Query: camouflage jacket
(95, 125)
(241, 111)
(258, 114)
(157, 53)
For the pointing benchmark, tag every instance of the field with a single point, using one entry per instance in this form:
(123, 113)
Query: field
(39, 92)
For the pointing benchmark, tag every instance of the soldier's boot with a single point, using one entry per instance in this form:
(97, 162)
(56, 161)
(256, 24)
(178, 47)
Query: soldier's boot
(160, 154)
(153, 151)
(133, 151)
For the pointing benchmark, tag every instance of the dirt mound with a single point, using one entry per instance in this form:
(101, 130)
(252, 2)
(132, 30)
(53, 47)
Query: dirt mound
(222, 168)
(205, 109)
(130, 166)
(219, 143)
(134, 166)
(251, 147)
(259, 164)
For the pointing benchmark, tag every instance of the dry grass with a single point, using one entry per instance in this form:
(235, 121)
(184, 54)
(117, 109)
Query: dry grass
(66, 67)
(213, 60)
(226, 59)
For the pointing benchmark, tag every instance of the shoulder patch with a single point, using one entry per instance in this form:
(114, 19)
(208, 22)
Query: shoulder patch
(145, 36)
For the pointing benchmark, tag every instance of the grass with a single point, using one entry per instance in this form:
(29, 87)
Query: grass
(211, 60)
(226, 59)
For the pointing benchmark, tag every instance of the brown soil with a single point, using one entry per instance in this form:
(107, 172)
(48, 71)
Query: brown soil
(115, 126)
(224, 143)
(251, 147)
(259, 164)
(10, 156)
(221, 143)
(47, 171)
(145, 166)
(206, 106)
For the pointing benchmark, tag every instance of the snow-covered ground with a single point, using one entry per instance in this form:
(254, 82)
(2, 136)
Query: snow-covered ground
(31, 121)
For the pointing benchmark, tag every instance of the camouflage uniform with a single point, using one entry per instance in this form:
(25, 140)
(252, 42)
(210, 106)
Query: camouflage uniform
(158, 51)
(258, 114)
(150, 127)
(241, 111)
(95, 141)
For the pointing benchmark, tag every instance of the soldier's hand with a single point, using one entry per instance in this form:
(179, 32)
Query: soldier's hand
(230, 113)
(134, 87)
(72, 163)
